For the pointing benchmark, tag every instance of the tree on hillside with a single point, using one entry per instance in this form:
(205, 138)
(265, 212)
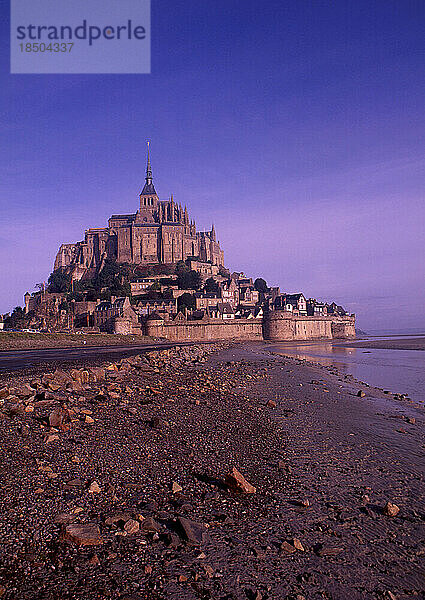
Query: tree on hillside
(186, 279)
(211, 285)
(59, 282)
(18, 318)
(260, 285)
(186, 301)
(181, 267)
(114, 277)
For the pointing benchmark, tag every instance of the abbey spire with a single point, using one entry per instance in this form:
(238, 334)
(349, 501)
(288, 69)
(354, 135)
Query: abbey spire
(148, 188)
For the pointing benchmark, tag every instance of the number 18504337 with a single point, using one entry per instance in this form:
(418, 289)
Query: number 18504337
(42, 47)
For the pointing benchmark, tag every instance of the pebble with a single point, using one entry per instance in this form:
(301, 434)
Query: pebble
(390, 509)
(237, 482)
(83, 535)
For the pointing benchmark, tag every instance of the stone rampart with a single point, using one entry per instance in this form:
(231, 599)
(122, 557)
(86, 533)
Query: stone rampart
(206, 329)
(282, 325)
(275, 326)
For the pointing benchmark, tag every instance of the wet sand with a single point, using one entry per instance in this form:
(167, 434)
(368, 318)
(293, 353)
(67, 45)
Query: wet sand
(324, 462)
(391, 344)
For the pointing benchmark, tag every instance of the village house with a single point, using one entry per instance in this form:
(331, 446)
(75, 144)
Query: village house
(248, 295)
(256, 312)
(315, 308)
(225, 310)
(205, 299)
(106, 312)
(335, 309)
(229, 292)
(280, 303)
(83, 312)
(298, 302)
(141, 285)
(147, 307)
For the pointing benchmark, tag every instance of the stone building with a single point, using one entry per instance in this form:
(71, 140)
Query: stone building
(160, 232)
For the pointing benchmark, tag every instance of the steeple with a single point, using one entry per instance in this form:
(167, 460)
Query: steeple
(148, 168)
(148, 188)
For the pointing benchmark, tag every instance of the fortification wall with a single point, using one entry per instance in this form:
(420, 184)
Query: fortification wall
(206, 329)
(344, 328)
(125, 326)
(281, 325)
(276, 326)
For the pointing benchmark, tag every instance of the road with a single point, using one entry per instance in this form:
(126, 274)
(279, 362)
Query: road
(19, 360)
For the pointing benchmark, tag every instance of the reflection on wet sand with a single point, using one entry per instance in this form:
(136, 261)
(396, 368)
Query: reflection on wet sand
(401, 371)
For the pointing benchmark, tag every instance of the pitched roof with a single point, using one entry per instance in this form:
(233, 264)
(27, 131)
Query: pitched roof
(225, 308)
(148, 190)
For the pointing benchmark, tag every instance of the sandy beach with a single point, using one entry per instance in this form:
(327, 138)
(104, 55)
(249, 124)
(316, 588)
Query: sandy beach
(144, 459)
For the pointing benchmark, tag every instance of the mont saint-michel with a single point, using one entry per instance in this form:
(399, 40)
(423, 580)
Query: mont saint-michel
(200, 394)
(153, 273)
(160, 232)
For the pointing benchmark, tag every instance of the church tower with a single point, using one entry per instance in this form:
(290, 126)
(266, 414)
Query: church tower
(148, 196)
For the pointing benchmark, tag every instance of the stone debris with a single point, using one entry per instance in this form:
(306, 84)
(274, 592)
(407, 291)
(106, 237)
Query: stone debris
(194, 533)
(237, 482)
(117, 518)
(175, 488)
(132, 526)
(130, 458)
(324, 551)
(297, 544)
(59, 418)
(82, 535)
(149, 525)
(288, 548)
(94, 488)
(391, 510)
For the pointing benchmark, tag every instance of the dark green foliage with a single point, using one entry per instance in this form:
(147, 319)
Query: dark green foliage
(153, 295)
(87, 289)
(77, 296)
(112, 280)
(187, 279)
(181, 267)
(224, 272)
(18, 319)
(211, 285)
(114, 277)
(167, 281)
(186, 301)
(147, 270)
(261, 285)
(59, 282)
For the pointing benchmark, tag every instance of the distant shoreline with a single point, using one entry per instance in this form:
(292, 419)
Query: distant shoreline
(407, 343)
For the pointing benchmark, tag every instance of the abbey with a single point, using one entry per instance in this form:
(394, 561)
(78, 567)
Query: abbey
(159, 232)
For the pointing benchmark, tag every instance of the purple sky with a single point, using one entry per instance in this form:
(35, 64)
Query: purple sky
(297, 127)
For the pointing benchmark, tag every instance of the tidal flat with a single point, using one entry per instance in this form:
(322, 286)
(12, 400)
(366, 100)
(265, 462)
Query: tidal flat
(117, 481)
(401, 343)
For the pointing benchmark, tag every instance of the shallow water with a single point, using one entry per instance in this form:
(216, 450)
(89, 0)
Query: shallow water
(400, 371)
